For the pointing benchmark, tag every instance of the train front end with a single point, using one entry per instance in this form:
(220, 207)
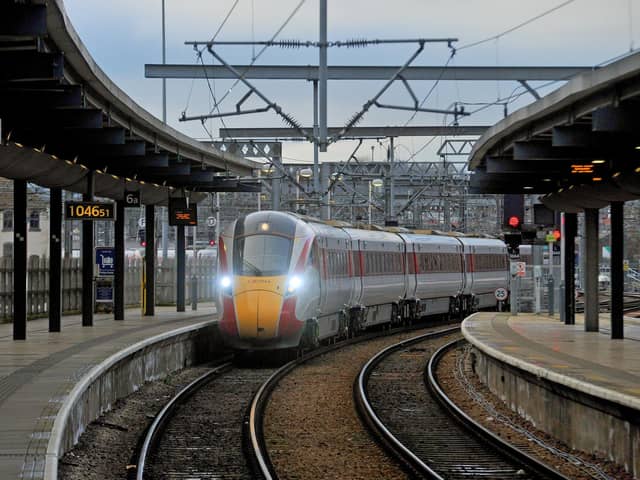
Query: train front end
(262, 258)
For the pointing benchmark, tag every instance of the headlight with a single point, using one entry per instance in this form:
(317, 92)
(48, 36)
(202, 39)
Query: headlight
(295, 283)
(225, 282)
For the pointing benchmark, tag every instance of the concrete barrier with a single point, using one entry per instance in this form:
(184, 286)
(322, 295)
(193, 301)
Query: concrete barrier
(122, 374)
(584, 421)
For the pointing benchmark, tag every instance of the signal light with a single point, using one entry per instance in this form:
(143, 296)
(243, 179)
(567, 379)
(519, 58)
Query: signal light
(212, 243)
(143, 243)
(556, 234)
(514, 221)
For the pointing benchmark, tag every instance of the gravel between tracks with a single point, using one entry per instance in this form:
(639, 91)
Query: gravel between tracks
(459, 395)
(311, 426)
(106, 446)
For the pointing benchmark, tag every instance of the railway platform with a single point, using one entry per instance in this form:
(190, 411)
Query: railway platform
(51, 373)
(581, 387)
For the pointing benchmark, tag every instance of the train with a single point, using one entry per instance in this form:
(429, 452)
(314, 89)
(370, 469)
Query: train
(286, 281)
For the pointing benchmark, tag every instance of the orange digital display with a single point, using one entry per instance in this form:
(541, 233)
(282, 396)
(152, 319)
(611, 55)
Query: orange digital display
(89, 211)
(582, 168)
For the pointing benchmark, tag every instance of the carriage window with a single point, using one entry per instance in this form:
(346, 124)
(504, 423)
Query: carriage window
(262, 255)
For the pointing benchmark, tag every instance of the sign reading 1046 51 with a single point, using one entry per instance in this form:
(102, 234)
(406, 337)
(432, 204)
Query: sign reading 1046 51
(89, 211)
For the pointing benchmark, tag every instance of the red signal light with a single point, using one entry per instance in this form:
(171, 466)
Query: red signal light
(514, 221)
(143, 243)
(556, 234)
(212, 243)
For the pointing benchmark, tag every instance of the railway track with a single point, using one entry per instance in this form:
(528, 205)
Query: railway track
(199, 433)
(413, 425)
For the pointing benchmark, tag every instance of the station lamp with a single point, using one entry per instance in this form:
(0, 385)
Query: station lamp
(377, 182)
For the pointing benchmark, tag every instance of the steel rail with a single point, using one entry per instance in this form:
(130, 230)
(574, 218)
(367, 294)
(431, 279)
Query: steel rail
(255, 438)
(162, 418)
(389, 441)
(477, 429)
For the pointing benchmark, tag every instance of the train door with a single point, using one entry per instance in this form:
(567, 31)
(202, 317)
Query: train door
(356, 275)
(320, 245)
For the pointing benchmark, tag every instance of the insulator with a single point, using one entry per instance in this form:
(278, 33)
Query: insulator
(291, 43)
(355, 43)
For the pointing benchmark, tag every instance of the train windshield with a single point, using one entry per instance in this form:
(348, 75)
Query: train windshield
(262, 255)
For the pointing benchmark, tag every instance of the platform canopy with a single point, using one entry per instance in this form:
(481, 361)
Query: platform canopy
(62, 117)
(579, 145)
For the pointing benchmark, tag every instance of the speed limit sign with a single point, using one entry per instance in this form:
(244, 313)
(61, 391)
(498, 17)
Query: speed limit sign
(501, 294)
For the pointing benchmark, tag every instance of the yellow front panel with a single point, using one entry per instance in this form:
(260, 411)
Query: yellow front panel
(258, 302)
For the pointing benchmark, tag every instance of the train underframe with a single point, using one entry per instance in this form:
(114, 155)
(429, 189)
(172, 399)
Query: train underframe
(351, 322)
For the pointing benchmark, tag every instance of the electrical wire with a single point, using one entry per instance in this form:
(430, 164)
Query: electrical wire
(517, 27)
(273, 37)
(233, 7)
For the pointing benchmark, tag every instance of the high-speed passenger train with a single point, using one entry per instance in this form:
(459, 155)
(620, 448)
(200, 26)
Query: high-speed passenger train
(287, 281)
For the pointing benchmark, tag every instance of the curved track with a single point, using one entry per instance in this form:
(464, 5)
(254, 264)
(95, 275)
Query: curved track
(411, 423)
(199, 433)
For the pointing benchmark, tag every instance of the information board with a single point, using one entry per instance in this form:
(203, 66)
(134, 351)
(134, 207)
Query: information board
(89, 211)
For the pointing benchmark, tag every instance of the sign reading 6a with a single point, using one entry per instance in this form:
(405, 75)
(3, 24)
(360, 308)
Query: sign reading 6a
(131, 198)
(89, 211)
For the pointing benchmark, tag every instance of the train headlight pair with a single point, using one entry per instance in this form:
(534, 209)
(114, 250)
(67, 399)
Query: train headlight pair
(294, 283)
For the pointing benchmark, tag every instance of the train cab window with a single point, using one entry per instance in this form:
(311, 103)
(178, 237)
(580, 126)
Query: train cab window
(262, 255)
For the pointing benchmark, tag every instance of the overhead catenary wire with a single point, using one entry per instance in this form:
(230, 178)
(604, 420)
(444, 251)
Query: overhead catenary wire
(517, 27)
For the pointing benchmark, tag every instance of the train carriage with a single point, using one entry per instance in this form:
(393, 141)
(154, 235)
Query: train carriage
(287, 281)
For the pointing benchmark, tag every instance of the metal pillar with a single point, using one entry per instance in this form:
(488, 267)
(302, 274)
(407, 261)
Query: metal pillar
(390, 211)
(275, 188)
(316, 154)
(617, 274)
(325, 208)
(569, 242)
(55, 259)
(87, 258)
(19, 259)
(180, 269)
(68, 232)
(164, 61)
(322, 75)
(118, 277)
(150, 258)
(591, 306)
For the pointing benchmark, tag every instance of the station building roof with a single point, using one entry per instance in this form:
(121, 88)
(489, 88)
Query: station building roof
(62, 117)
(579, 146)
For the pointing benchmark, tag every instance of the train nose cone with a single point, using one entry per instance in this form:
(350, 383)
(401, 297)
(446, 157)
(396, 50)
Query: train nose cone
(258, 313)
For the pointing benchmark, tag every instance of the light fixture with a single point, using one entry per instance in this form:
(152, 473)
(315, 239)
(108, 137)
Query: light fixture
(598, 161)
(377, 182)
(266, 168)
(306, 173)
(546, 179)
(528, 187)
(637, 170)
(597, 179)
(264, 227)
(616, 175)
(637, 147)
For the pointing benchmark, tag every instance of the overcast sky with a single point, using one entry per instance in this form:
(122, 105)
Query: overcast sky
(124, 35)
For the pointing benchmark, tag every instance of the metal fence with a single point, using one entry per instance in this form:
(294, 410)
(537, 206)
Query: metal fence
(37, 295)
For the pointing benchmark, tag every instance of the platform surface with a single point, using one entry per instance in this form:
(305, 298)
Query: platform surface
(590, 362)
(36, 374)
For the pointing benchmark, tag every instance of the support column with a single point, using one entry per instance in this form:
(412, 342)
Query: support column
(323, 75)
(55, 259)
(325, 208)
(569, 240)
(181, 272)
(275, 185)
(87, 258)
(119, 267)
(19, 259)
(617, 274)
(150, 258)
(592, 256)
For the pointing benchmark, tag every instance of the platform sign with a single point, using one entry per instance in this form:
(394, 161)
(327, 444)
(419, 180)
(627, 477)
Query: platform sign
(89, 211)
(181, 214)
(106, 260)
(131, 198)
(501, 294)
(518, 269)
(104, 292)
